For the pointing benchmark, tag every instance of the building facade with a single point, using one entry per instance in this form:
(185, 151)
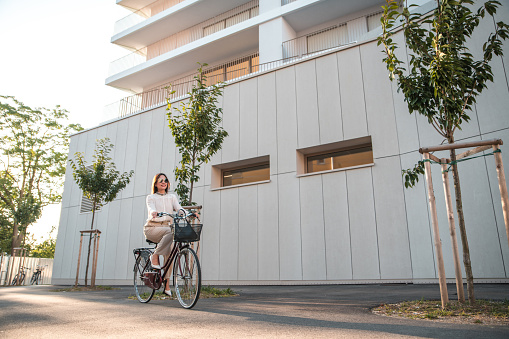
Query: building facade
(307, 188)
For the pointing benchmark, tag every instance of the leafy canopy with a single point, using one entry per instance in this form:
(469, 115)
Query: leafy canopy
(33, 144)
(100, 182)
(196, 128)
(443, 77)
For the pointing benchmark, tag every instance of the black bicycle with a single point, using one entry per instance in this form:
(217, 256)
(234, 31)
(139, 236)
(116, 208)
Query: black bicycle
(186, 266)
(37, 275)
(19, 278)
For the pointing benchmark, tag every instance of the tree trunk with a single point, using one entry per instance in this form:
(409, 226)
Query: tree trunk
(16, 238)
(90, 243)
(463, 230)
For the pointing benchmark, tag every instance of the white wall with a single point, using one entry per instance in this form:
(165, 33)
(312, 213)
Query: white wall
(358, 225)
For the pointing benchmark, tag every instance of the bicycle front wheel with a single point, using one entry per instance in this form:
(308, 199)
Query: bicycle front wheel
(35, 279)
(187, 277)
(143, 292)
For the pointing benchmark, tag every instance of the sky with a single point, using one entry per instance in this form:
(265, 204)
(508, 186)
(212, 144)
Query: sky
(57, 52)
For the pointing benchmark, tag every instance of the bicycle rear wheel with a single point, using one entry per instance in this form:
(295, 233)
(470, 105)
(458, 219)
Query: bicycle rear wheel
(143, 292)
(187, 277)
(35, 279)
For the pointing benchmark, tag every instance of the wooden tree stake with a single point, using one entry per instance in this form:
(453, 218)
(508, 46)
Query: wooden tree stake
(438, 243)
(502, 185)
(452, 231)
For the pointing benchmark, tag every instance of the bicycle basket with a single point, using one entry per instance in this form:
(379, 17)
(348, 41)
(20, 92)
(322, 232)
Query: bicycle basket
(186, 232)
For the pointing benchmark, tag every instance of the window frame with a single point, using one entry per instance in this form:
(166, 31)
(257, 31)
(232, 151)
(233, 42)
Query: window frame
(305, 153)
(217, 175)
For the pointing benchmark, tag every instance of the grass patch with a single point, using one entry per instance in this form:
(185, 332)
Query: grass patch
(85, 289)
(206, 292)
(482, 312)
(212, 292)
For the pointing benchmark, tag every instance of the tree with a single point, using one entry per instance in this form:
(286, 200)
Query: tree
(34, 145)
(46, 249)
(197, 132)
(443, 79)
(100, 182)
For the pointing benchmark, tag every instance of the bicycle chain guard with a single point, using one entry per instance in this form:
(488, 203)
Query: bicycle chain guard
(152, 279)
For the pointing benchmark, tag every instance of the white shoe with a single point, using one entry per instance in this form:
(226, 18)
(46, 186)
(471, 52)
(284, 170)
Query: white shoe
(167, 292)
(157, 267)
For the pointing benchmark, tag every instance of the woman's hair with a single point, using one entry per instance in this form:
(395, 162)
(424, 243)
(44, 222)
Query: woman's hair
(154, 182)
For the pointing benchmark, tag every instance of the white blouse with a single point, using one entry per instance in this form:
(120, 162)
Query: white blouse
(162, 203)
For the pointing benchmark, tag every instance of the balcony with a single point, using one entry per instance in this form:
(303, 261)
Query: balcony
(210, 41)
(333, 36)
(162, 18)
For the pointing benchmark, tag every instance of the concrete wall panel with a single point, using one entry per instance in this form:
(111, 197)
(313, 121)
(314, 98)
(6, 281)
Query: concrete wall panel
(312, 228)
(394, 247)
(308, 128)
(379, 105)
(267, 119)
(290, 240)
(248, 138)
(231, 123)
(420, 231)
(211, 235)
(142, 182)
(248, 233)
(329, 101)
(286, 120)
(124, 253)
(268, 230)
(353, 106)
(365, 260)
(229, 241)
(337, 226)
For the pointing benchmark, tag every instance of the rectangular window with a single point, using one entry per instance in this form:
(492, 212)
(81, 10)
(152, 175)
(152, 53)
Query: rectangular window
(340, 159)
(246, 175)
(335, 156)
(241, 172)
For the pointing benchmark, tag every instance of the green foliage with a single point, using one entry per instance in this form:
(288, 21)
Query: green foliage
(412, 175)
(34, 145)
(100, 182)
(44, 250)
(196, 128)
(443, 78)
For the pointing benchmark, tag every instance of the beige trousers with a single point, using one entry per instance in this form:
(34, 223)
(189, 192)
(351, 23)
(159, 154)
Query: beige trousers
(162, 235)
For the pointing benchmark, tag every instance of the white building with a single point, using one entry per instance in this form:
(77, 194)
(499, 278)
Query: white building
(305, 79)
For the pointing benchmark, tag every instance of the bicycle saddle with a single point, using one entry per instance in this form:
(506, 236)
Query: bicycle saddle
(150, 242)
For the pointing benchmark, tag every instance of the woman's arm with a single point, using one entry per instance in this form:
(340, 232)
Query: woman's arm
(151, 206)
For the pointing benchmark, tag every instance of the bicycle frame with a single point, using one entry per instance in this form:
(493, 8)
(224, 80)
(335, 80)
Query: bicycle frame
(175, 248)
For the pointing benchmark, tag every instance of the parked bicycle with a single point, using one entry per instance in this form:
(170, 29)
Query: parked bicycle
(37, 275)
(186, 266)
(19, 278)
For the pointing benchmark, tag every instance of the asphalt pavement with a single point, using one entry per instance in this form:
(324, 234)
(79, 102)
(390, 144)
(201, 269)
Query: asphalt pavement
(318, 311)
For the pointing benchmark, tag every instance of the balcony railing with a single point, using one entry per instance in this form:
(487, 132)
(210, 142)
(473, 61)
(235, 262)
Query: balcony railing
(231, 71)
(217, 23)
(143, 14)
(327, 38)
(286, 2)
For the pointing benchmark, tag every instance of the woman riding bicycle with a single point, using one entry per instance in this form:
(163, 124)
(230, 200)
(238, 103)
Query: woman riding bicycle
(158, 229)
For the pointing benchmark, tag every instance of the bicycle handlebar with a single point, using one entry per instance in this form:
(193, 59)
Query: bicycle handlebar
(177, 216)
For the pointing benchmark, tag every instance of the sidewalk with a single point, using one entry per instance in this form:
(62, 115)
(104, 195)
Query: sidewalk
(324, 311)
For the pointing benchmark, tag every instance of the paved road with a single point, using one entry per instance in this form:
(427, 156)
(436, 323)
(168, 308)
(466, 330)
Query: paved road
(338, 311)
